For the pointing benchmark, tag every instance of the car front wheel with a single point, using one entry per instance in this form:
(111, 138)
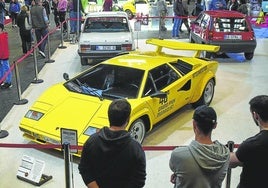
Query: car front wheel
(207, 94)
(249, 55)
(137, 130)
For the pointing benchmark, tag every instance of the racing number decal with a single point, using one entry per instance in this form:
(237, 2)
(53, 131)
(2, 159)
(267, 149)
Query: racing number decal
(165, 105)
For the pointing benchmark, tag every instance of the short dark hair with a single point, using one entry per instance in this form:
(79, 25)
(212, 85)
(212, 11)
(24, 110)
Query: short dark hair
(206, 118)
(119, 112)
(259, 105)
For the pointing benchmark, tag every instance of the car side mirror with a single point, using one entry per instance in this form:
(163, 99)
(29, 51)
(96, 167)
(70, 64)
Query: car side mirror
(66, 76)
(159, 94)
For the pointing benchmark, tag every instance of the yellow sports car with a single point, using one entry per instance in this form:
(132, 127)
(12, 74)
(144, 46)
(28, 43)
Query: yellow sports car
(130, 7)
(156, 84)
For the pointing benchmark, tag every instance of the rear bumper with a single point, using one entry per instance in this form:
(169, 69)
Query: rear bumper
(99, 55)
(236, 47)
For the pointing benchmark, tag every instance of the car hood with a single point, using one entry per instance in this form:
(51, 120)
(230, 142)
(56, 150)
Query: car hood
(64, 109)
(104, 38)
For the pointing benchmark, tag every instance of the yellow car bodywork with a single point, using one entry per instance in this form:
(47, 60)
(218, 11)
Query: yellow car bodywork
(61, 108)
(130, 7)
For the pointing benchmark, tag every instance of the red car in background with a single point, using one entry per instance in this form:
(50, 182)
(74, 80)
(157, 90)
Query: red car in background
(230, 30)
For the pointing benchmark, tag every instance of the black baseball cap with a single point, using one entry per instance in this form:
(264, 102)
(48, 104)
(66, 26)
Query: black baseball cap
(205, 114)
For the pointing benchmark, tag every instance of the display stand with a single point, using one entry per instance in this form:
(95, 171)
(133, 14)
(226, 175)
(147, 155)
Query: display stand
(31, 171)
(44, 179)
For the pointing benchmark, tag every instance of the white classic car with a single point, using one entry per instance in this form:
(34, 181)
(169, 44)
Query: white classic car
(104, 35)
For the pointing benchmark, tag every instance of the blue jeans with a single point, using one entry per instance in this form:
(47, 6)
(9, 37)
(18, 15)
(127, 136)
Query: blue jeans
(73, 21)
(2, 17)
(40, 34)
(4, 67)
(176, 26)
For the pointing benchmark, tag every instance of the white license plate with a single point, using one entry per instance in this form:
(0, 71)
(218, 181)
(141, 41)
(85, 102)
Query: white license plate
(233, 37)
(105, 48)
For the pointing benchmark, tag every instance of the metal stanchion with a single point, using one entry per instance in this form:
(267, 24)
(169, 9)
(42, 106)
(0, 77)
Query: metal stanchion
(66, 148)
(36, 80)
(21, 101)
(230, 145)
(61, 30)
(49, 52)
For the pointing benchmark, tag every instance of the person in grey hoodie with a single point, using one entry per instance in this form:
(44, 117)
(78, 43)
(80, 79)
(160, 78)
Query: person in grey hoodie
(204, 163)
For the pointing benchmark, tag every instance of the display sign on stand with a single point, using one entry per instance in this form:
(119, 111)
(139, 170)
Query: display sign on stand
(69, 136)
(31, 171)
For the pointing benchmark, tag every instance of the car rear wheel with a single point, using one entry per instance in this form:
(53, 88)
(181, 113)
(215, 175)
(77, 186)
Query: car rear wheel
(129, 14)
(249, 55)
(137, 130)
(207, 94)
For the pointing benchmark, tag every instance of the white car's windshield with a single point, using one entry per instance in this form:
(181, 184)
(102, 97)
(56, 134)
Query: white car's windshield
(106, 24)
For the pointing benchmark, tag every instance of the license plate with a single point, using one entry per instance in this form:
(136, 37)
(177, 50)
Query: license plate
(109, 48)
(233, 37)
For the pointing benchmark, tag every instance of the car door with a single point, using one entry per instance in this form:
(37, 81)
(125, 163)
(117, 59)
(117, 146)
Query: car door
(200, 29)
(163, 79)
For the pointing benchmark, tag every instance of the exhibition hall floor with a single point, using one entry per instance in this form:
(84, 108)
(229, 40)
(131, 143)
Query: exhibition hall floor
(237, 82)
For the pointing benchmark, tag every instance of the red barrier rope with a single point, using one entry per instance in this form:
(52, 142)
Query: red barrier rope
(56, 146)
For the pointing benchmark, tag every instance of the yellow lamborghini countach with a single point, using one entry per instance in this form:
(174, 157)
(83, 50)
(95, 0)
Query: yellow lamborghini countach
(155, 83)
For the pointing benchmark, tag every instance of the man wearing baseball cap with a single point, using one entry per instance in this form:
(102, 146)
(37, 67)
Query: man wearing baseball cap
(204, 162)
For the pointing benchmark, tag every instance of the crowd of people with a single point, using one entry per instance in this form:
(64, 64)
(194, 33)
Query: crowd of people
(111, 158)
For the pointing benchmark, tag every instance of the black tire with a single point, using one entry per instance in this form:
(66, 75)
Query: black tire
(83, 61)
(207, 94)
(137, 130)
(129, 14)
(249, 55)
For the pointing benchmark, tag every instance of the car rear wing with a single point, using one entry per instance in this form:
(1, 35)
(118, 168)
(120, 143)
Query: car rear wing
(178, 45)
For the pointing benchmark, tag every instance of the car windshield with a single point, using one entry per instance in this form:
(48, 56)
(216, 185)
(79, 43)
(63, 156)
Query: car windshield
(106, 24)
(230, 24)
(108, 81)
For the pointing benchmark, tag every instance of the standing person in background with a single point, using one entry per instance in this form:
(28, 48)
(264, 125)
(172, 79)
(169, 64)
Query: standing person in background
(198, 8)
(185, 16)
(46, 5)
(40, 25)
(62, 8)
(14, 10)
(2, 12)
(217, 5)
(4, 59)
(243, 8)
(55, 12)
(204, 163)
(111, 158)
(162, 11)
(74, 11)
(232, 5)
(107, 5)
(252, 154)
(25, 35)
(178, 13)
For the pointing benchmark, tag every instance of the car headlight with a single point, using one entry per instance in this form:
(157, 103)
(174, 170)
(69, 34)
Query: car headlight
(90, 131)
(31, 114)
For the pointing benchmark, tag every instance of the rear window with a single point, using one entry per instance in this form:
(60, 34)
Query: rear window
(106, 24)
(230, 25)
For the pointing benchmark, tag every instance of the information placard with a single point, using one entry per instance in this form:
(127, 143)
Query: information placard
(31, 169)
(69, 136)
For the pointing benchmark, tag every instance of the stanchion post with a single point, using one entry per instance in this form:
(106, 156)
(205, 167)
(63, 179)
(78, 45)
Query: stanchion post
(36, 80)
(21, 101)
(66, 148)
(49, 51)
(61, 32)
(230, 145)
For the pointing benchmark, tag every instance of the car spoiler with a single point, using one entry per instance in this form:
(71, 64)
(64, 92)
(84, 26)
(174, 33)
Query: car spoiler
(178, 45)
